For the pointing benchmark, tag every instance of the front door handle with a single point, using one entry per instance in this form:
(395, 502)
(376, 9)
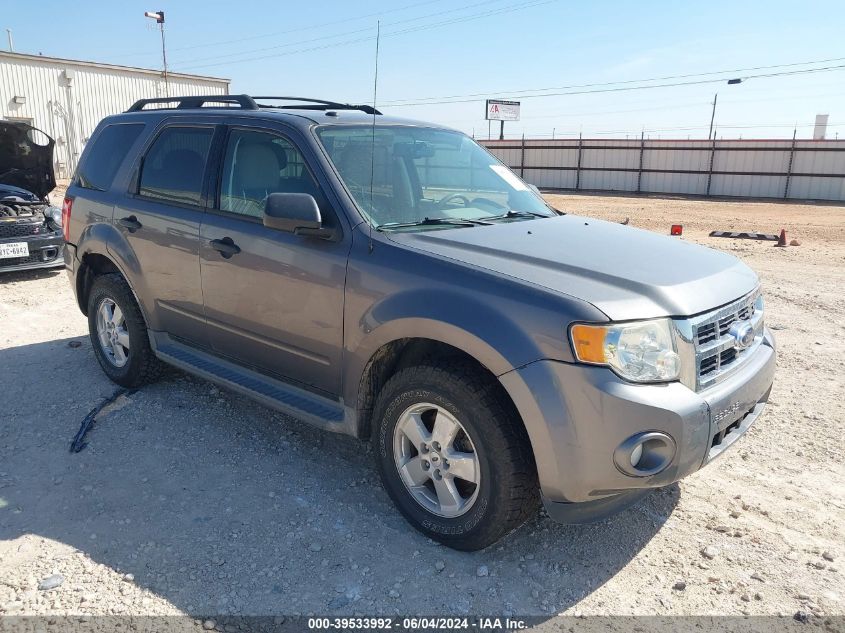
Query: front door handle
(226, 247)
(131, 223)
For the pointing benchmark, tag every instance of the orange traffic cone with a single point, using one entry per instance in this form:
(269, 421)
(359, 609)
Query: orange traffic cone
(782, 238)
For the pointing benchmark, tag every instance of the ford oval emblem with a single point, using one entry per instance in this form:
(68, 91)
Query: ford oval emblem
(742, 333)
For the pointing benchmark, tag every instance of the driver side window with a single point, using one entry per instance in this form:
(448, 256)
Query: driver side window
(257, 164)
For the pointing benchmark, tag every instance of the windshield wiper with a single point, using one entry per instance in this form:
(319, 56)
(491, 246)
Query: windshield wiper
(432, 222)
(516, 214)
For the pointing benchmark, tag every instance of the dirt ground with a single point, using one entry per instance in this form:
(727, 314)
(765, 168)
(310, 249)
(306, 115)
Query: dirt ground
(189, 499)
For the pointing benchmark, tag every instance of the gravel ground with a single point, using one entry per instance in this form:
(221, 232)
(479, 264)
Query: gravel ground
(189, 499)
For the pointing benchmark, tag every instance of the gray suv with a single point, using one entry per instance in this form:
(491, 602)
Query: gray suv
(392, 280)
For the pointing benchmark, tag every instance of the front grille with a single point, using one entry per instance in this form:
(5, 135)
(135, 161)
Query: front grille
(21, 229)
(39, 257)
(716, 351)
(707, 333)
(20, 261)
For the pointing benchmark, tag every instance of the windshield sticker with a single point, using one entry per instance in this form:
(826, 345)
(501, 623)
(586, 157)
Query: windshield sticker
(508, 176)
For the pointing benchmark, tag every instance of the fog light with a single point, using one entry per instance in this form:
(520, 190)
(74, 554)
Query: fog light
(645, 454)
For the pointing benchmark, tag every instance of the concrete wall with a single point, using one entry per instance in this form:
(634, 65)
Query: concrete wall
(67, 98)
(813, 170)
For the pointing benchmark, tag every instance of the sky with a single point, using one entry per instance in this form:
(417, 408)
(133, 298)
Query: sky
(453, 54)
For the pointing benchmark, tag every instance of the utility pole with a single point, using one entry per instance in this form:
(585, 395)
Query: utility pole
(158, 16)
(713, 116)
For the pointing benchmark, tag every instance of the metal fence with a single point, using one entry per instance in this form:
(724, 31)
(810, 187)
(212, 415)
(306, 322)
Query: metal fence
(788, 169)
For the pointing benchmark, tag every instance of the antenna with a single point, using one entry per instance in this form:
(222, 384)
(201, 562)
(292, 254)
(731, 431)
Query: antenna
(373, 147)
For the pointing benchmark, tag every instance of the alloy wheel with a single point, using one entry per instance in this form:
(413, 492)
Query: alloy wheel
(436, 460)
(112, 332)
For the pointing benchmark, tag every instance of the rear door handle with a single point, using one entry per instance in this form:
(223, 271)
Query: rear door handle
(226, 247)
(131, 223)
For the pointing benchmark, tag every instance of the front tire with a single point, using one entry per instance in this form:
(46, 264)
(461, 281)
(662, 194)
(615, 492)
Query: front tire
(119, 334)
(453, 455)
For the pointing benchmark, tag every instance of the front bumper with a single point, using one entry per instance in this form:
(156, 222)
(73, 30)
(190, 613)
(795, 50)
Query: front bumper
(45, 251)
(577, 416)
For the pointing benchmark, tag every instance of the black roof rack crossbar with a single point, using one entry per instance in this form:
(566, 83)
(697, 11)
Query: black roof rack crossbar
(314, 104)
(247, 102)
(244, 101)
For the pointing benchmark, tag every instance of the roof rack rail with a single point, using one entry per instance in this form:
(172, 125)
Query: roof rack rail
(314, 104)
(196, 101)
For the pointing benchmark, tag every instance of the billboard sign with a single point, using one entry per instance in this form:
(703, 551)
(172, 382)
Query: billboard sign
(820, 129)
(498, 110)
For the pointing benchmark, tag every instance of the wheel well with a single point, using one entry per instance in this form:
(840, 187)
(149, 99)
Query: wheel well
(408, 352)
(92, 266)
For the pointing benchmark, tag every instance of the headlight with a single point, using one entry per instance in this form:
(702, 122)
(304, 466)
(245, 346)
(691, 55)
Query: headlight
(642, 351)
(54, 215)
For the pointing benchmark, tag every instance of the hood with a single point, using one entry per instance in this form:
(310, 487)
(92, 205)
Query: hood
(626, 273)
(9, 192)
(26, 158)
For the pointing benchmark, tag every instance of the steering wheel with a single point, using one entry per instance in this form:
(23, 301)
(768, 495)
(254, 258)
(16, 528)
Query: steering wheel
(454, 196)
(487, 201)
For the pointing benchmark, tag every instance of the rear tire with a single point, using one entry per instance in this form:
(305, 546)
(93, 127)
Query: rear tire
(490, 446)
(119, 334)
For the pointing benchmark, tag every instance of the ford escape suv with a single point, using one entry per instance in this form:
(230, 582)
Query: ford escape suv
(393, 281)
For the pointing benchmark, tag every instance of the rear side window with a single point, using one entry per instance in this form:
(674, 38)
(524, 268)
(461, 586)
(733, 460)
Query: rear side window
(174, 165)
(106, 155)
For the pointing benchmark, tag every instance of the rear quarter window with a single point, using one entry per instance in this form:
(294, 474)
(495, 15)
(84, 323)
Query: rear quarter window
(106, 154)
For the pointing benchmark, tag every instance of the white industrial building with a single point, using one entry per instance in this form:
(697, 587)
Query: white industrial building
(67, 98)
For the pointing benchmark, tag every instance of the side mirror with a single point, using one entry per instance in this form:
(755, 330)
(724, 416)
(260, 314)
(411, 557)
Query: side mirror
(292, 212)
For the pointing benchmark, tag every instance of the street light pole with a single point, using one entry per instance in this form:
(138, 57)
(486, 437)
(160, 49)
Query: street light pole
(158, 16)
(713, 115)
(731, 82)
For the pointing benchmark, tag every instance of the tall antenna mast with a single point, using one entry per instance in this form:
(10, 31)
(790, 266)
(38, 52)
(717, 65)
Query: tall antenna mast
(373, 147)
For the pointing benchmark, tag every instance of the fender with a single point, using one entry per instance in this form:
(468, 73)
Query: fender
(394, 291)
(102, 238)
(489, 335)
(464, 321)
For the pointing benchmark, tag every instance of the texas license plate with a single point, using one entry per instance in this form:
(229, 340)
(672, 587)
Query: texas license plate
(14, 249)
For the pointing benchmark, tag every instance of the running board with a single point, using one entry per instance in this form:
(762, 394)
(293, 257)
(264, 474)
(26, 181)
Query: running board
(311, 408)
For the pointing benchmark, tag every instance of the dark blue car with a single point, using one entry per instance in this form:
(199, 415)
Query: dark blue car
(30, 228)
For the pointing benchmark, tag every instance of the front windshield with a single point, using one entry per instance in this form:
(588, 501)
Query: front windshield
(429, 176)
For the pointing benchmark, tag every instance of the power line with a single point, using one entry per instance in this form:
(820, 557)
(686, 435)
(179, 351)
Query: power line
(627, 81)
(625, 88)
(677, 106)
(189, 62)
(666, 106)
(683, 129)
(354, 32)
(296, 30)
(500, 11)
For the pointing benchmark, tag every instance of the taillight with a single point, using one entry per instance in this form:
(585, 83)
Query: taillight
(67, 207)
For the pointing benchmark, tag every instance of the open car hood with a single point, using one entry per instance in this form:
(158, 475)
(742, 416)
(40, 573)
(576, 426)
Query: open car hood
(26, 158)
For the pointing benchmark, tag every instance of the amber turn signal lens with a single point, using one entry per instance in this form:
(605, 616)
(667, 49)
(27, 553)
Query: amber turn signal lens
(588, 342)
